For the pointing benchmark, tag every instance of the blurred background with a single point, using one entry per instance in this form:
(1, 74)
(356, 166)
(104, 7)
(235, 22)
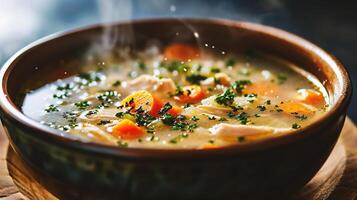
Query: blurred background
(328, 23)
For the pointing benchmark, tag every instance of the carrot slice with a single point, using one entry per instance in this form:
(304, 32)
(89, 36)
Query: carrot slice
(180, 51)
(138, 99)
(311, 96)
(191, 94)
(262, 89)
(158, 104)
(127, 130)
(296, 107)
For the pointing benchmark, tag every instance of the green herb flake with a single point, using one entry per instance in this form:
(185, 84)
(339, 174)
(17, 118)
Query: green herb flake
(261, 108)
(195, 78)
(295, 126)
(165, 108)
(215, 70)
(117, 83)
(52, 108)
(103, 122)
(230, 62)
(226, 98)
(168, 119)
(282, 78)
(122, 143)
(82, 105)
(240, 138)
(239, 85)
(194, 118)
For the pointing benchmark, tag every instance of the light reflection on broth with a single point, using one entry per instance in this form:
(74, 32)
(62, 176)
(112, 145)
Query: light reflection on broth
(181, 98)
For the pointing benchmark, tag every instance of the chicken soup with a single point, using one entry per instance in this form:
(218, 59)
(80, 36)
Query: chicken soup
(181, 97)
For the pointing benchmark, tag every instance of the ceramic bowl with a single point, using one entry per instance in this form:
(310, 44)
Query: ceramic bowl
(271, 168)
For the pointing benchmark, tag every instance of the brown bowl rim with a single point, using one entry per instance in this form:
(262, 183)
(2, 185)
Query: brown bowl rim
(10, 109)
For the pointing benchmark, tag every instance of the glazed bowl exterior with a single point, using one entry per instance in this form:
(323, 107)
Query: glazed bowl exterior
(271, 168)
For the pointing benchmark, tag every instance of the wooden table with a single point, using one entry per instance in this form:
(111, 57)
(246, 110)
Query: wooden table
(336, 180)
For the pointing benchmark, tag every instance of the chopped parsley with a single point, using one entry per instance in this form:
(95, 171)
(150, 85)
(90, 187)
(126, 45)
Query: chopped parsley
(194, 118)
(122, 144)
(108, 97)
(301, 117)
(117, 83)
(195, 78)
(91, 112)
(175, 66)
(82, 105)
(215, 70)
(230, 62)
(225, 98)
(65, 87)
(282, 78)
(178, 138)
(295, 126)
(239, 85)
(103, 122)
(261, 108)
(141, 65)
(212, 117)
(168, 119)
(165, 108)
(88, 78)
(243, 118)
(52, 108)
(251, 97)
(240, 138)
(62, 95)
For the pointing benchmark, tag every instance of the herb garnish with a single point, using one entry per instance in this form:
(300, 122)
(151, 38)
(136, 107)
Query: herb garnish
(165, 108)
(195, 78)
(117, 83)
(108, 97)
(261, 108)
(103, 122)
(295, 126)
(282, 78)
(239, 85)
(230, 62)
(122, 144)
(225, 98)
(240, 138)
(52, 108)
(82, 105)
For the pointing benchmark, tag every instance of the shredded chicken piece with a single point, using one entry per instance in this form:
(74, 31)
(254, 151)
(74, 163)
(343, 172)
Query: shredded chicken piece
(223, 79)
(230, 132)
(149, 83)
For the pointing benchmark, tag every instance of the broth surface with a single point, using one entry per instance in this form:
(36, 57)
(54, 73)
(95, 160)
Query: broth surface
(180, 98)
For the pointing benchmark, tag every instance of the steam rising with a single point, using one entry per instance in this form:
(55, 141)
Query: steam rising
(113, 11)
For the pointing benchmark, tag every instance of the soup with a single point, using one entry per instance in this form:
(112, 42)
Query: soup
(181, 98)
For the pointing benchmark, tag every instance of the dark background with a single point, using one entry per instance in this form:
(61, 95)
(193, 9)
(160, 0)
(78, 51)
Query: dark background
(330, 24)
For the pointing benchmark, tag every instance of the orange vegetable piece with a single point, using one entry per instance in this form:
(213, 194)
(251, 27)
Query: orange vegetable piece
(158, 104)
(262, 89)
(175, 111)
(138, 99)
(311, 96)
(127, 130)
(208, 146)
(191, 94)
(180, 51)
(295, 107)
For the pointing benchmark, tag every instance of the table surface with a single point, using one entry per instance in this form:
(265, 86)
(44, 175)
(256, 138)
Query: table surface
(336, 180)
